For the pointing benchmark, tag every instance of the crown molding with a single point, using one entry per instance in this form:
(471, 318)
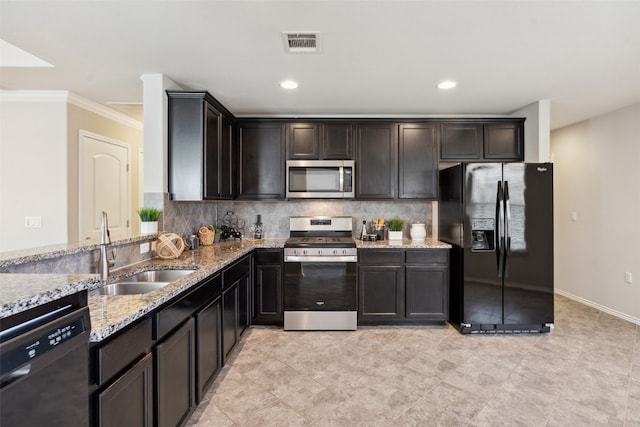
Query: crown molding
(71, 98)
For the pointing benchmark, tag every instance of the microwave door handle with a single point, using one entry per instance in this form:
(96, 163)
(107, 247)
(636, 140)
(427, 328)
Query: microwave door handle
(341, 174)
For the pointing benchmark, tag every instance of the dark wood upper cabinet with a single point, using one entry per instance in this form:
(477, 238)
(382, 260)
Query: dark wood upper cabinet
(319, 141)
(200, 148)
(461, 141)
(229, 158)
(504, 141)
(418, 161)
(376, 161)
(303, 141)
(486, 140)
(337, 141)
(261, 161)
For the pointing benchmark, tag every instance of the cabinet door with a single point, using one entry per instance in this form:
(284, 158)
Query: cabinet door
(208, 346)
(185, 147)
(337, 141)
(303, 141)
(376, 161)
(229, 321)
(427, 292)
(175, 376)
(461, 141)
(212, 152)
(227, 159)
(381, 293)
(418, 161)
(244, 308)
(267, 294)
(261, 161)
(129, 400)
(504, 141)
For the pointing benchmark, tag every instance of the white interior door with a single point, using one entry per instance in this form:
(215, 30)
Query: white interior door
(104, 185)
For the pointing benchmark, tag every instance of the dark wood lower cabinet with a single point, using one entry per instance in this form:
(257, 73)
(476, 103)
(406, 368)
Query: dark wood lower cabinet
(267, 287)
(403, 286)
(381, 293)
(154, 372)
(175, 376)
(129, 400)
(244, 308)
(427, 298)
(209, 346)
(229, 320)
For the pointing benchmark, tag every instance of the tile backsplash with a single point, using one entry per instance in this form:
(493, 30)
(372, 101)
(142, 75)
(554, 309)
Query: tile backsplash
(184, 218)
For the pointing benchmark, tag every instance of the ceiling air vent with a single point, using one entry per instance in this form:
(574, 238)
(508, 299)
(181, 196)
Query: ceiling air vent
(301, 41)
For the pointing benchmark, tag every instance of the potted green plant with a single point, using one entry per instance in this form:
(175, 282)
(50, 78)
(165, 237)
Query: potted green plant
(148, 220)
(395, 229)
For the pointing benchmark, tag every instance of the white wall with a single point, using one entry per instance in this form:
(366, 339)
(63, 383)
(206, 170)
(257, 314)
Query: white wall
(39, 162)
(156, 144)
(597, 176)
(536, 130)
(33, 169)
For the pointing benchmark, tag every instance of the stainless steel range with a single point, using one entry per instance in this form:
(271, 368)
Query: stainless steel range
(320, 287)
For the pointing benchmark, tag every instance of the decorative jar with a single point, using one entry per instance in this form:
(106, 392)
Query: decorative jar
(418, 232)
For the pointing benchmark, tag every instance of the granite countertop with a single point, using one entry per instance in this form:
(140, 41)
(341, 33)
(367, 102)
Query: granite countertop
(403, 244)
(110, 313)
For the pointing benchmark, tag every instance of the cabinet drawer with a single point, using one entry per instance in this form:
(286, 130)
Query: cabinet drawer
(176, 312)
(380, 256)
(267, 256)
(429, 256)
(236, 271)
(122, 351)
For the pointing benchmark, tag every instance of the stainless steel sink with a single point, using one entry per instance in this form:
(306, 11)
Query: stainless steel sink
(164, 276)
(129, 288)
(141, 283)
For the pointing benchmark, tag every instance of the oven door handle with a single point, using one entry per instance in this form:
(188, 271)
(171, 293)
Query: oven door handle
(311, 258)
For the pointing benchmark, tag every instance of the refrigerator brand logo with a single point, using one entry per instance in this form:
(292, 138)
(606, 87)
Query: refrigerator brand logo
(542, 169)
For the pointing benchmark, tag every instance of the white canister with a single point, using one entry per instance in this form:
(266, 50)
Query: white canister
(418, 232)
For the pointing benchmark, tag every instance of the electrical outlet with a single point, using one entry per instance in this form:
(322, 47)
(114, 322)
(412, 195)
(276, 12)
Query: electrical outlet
(144, 247)
(574, 216)
(32, 222)
(628, 277)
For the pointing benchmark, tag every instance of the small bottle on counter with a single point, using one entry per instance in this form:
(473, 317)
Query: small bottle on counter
(257, 228)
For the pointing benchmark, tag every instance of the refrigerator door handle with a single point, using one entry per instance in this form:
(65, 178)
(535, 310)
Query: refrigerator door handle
(507, 228)
(500, 224)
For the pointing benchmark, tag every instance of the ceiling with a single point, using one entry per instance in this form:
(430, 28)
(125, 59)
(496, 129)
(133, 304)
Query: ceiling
(378, 58)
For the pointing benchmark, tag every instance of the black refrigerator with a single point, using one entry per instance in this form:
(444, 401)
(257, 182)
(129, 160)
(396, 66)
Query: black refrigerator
(499, 219)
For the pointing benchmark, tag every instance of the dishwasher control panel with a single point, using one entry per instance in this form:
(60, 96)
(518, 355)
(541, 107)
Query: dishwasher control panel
(39, 341)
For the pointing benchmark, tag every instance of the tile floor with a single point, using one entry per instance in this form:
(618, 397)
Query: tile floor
(585, 372)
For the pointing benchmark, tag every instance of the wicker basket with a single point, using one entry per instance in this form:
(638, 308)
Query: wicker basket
(206, 235)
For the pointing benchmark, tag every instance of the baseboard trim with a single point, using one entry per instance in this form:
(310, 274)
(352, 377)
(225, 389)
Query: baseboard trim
(603, 308)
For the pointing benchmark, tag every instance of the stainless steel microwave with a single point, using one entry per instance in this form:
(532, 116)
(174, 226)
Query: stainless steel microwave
(320, 179)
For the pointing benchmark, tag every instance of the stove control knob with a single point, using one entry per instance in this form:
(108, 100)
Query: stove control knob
(319, 251)
(335, 252)
(304, 252)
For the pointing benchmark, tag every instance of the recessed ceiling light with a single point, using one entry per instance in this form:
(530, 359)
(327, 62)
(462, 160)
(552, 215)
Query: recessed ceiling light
(447, 84)
(289, 84)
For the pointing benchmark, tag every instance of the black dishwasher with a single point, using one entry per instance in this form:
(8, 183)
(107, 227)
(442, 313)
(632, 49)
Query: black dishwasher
(44, 365)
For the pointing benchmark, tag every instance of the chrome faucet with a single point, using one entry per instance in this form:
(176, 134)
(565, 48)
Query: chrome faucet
(105, 239)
